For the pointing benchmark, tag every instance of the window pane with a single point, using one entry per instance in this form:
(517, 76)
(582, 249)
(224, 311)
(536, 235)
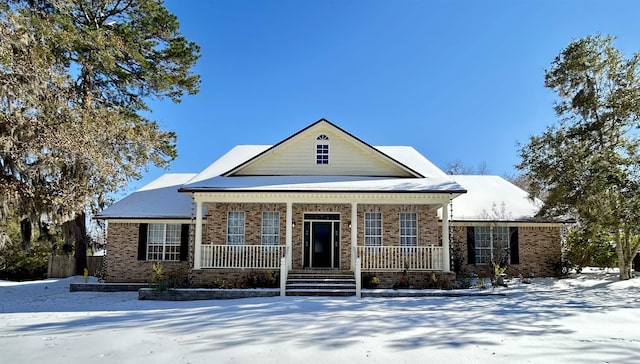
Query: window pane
(163, 241)
(483, 244)
(322, 154)
(270, 228)
(408, 229)
(492, 243)
(173, 234)
(235, 228)
(373, 228)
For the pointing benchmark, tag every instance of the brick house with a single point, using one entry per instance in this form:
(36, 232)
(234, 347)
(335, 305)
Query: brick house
(322, 199)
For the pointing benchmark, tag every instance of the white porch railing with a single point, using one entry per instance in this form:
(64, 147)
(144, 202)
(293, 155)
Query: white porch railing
(399, 258)
(242, 256)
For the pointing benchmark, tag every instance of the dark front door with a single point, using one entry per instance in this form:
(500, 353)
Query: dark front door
(321, 241)
(321, 244)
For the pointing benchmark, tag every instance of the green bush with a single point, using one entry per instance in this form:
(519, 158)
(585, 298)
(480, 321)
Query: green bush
(161, 282)
(261, 279)
(586, 248)
(370, 281)
(22, 266)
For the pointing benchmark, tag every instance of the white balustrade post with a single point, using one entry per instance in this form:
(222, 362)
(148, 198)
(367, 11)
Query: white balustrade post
(197, 249)
(445, 238)
(358, 278)
(354, 233)
(289, 234)
(283, 276)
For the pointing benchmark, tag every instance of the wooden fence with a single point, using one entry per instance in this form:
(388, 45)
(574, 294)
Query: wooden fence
(63, 267)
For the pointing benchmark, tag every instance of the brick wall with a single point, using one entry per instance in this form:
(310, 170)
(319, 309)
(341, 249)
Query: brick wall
(428, 230)
(121, 264)
(539, 248)
(422, 279)
(121, 261)
(207, 278)
(216, 231)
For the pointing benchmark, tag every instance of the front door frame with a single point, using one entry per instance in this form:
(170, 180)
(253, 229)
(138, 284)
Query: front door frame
(311, 218)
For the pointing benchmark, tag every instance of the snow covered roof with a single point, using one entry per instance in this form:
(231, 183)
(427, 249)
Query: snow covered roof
(325, 183)
(486, 197)
(236, 156)
(492, 198)
(159, 199)
(210, 179)
(162, 199)
(414, 160)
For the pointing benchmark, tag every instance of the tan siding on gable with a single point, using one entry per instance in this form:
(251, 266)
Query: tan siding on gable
(347, 157)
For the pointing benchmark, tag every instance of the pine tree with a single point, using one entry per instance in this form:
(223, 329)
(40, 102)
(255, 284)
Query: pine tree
(75, 80)
(587, 165)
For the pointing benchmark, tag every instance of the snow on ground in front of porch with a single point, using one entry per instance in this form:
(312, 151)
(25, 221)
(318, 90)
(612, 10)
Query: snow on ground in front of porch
(591, 318)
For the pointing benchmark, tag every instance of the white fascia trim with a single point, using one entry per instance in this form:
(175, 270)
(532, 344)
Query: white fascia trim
(326, 197)
(149, 221)
(504, 223)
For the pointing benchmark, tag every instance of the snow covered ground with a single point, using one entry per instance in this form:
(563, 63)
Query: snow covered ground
(592, 318)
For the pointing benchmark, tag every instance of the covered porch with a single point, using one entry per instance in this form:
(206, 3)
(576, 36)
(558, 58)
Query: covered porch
(320, 223)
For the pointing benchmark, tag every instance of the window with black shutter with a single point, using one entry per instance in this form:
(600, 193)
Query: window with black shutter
(142, 241)
(482, 242)
(514, 249)
(471, 245)
(163, 242)
(184, 243)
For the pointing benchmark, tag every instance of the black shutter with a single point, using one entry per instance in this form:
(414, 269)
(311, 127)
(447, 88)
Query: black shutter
(514, 250)
(184, 242)
(471, 245)
(142, 242)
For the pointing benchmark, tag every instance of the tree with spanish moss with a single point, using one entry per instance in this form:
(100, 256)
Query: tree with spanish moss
(76, 77)
(587, 165)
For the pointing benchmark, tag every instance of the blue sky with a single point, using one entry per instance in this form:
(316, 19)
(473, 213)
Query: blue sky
(457, 80)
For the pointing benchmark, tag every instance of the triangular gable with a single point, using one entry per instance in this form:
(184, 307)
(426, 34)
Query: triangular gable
(347, 156)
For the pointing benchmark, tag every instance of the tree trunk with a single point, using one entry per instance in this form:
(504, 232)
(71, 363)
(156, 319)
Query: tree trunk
(625, 270)
(26, 233)
(80, 243)
(624, 259)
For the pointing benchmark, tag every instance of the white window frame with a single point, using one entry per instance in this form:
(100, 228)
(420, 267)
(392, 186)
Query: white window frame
(322, 150)
(235, 228)
(270, 228)
(486, 239)
(322, 154)
(164, 242)
(408, 221)
(373, 229)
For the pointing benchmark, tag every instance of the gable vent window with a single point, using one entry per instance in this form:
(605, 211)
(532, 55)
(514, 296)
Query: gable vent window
(322, 149)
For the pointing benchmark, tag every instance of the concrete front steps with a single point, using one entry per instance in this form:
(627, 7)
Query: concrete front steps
(320, 283)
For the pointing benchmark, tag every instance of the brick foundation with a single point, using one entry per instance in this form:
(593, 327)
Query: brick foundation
(229, 278)
(418, 280)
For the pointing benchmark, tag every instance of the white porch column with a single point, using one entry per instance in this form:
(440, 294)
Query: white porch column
(197, 250)
(445, 238)
(289, 234)
(354, 234)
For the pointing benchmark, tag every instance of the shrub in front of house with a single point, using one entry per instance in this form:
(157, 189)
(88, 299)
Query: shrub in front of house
(162, 282)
